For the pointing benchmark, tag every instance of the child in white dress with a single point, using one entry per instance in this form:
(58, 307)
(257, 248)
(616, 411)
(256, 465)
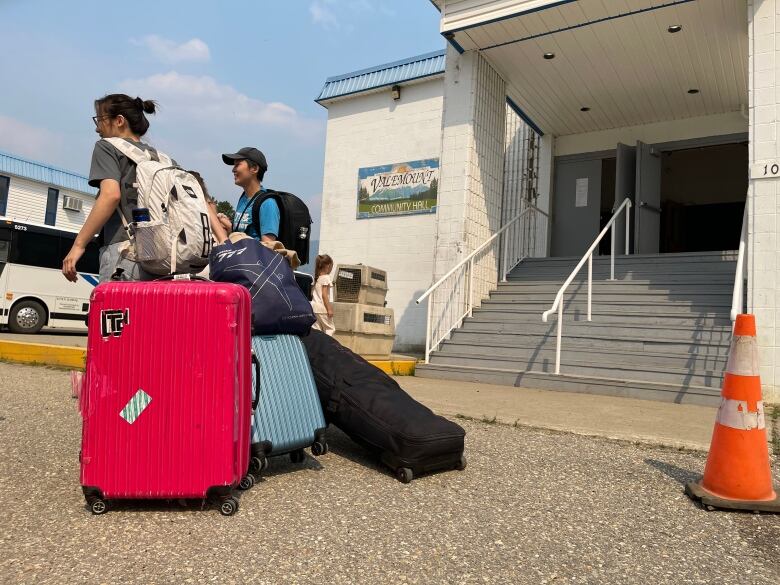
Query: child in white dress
(320, 297)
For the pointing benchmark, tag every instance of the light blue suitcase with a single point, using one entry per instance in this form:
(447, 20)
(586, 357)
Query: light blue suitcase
(288, 416)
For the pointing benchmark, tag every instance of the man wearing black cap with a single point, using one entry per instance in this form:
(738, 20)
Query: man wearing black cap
(249, 167)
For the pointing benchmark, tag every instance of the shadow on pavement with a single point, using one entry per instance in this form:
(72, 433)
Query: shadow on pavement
(340, 444)
(680, 475)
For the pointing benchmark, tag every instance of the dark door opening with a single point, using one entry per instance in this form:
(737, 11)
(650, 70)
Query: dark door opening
(608, 166)
(703, 193)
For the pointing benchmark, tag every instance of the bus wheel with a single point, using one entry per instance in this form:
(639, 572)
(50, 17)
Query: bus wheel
(27, 317)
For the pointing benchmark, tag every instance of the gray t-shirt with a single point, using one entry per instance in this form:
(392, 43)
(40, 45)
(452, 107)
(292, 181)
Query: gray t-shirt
(109, 163)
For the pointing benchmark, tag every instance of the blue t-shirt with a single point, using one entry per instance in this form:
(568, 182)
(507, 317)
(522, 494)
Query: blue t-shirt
(269, 217)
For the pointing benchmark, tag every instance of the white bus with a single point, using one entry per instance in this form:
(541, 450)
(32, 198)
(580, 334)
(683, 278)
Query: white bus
(33, 292)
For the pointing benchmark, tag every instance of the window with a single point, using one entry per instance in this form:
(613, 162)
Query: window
(36, 249)
(89, 262)
(51, 207)
(5, 183)
(45, 248)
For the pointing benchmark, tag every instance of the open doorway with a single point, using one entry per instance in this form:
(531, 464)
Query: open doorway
(608, 168)
(703, 193)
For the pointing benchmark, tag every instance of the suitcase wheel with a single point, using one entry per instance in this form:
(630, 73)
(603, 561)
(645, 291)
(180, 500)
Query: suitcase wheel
(297, 456)
(404, 474)
(228, 507)
(257, 464)
(461, 464)
(98, 506)
(246, 482)
(319, 448)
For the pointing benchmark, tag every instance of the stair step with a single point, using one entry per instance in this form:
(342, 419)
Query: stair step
(504, 325)
(606, 342)
(661, 280)
(696, 358)
(649, 298)
(647, 372)
(715, 256)
(691, 319)
(688, 394)
(605, 270)
(623, 286)
(541, 305)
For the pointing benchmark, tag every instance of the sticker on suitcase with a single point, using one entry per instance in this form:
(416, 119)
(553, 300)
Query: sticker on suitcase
(112, 321)
(135, 406)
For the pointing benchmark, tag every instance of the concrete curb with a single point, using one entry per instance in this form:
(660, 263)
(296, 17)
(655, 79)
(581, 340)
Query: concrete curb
(43, 354)
(396, 367)
(75, 357)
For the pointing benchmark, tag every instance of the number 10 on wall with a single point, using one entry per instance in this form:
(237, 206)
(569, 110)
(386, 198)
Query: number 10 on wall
(769, 170)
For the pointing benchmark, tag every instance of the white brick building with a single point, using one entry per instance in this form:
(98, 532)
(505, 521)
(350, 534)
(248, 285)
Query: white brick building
(367, 128)
(392, 114)
(669, 103)
(763, 19)
(34, 192)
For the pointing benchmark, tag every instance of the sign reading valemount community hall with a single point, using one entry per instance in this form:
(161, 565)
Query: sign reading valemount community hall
(399, 189)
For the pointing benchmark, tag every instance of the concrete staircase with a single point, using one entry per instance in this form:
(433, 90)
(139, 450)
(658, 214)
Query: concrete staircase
(660, 331)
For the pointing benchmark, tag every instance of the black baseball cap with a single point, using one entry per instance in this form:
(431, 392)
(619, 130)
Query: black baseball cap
(247, 153)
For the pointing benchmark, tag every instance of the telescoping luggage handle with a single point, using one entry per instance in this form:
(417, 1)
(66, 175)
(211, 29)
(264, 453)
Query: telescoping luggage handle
(185, 276)
(256, 397)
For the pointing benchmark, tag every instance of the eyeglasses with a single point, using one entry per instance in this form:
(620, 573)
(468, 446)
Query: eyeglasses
(96, 119)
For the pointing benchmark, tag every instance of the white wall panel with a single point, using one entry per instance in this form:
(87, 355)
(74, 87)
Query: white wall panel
(368, 130)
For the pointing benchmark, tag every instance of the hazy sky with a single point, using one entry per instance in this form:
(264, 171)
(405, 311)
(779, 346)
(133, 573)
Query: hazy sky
(225, 76)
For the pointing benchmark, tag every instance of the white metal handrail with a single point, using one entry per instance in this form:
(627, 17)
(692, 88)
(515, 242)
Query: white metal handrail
(467, 264)
(737, 297)
(558, 304)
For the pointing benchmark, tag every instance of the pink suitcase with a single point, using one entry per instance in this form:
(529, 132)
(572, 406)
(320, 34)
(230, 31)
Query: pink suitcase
(166, 404)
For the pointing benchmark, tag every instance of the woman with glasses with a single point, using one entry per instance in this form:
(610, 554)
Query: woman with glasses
(117, 115)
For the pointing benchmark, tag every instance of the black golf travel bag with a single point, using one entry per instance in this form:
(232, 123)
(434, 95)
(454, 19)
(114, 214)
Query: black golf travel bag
(370, 407)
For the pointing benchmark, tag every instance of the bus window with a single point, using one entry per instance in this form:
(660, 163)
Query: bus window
(89, 262)
(4, 245)
(35, 249)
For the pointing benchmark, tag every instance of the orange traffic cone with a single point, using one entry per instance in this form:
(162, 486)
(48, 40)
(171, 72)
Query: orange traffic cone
(737, 475)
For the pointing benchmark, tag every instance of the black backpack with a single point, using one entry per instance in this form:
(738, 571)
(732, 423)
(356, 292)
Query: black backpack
(294, 221)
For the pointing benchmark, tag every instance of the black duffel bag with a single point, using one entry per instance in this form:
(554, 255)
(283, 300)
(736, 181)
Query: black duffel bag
(370, 407)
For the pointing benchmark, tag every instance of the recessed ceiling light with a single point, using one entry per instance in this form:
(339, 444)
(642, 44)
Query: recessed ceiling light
(549, 56)
(584, 109)
(675, 28)
(693, 91)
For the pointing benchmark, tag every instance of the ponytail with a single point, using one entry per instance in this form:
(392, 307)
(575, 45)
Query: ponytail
(132, 110)
(320, 263)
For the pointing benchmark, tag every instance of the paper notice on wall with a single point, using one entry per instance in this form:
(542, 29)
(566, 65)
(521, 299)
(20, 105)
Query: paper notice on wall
(581, 193)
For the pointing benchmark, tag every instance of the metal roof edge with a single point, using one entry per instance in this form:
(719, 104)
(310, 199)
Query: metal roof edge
(52, 170)
(408, 60)
(323, 101)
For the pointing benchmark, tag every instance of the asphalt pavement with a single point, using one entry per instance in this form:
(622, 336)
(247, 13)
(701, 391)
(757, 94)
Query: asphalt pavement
(533, 506)
(48, 337)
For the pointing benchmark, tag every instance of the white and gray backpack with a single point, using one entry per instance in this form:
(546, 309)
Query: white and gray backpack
(178, 236)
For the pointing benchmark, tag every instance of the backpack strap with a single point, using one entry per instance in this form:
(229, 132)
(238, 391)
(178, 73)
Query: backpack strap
(124, 221)
(131, 151)
(138, 155)
(161, 157)
(258, 201)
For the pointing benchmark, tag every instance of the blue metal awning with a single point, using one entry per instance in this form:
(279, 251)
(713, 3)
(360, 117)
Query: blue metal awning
(418, 67)
(35, 171)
